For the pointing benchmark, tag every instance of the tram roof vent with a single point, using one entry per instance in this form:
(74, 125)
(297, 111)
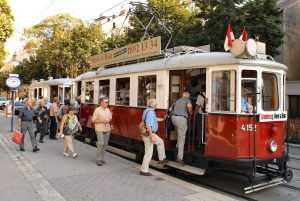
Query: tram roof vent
(50, 78)
(41, 80)
(34, 81)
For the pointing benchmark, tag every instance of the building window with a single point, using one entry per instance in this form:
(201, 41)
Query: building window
(40, 92)
(122, 91)
(270, 92)
(89, 92)
(114, 25)
(103, 89)
(146, 89)
(223, 91)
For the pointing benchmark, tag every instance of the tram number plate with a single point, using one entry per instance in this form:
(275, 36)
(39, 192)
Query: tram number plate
(248, 127)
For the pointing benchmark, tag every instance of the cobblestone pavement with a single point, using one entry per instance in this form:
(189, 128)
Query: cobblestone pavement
(48, 175)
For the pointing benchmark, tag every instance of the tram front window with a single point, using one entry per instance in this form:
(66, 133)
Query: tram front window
(223, 91)
(270, 92)
(248, 95)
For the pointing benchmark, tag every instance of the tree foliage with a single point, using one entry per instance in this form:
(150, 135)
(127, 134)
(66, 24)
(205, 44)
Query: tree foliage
(260, 17)
(62, 45)
(6, 28)
(175, 15)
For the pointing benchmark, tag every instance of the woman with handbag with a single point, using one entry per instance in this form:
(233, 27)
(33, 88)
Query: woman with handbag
(68, 128)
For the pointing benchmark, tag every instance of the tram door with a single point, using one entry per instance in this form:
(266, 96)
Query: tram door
(191, 81)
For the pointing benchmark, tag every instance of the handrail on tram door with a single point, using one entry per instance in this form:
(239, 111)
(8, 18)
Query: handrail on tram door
(202, 129)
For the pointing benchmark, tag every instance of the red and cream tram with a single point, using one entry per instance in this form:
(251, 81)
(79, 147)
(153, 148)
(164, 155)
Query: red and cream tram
(250, 143)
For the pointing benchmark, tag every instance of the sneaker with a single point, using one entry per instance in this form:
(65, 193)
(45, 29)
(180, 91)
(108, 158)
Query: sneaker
(35, 149)
(99, 163)
(103, 162)
(162, 162)
(22, 149)
(41, 141)
(145, 173)
(66, 154)
(180, 162)
(75, 155)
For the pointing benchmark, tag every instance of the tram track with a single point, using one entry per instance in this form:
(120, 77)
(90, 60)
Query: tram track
(290, 187)
(198, 182)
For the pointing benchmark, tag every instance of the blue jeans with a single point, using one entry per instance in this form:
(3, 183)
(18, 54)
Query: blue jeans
(53, 127)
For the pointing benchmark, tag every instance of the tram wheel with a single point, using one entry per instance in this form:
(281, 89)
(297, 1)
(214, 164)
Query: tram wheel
(288, 175)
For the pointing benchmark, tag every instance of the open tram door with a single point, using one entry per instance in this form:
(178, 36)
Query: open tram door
(189, 80)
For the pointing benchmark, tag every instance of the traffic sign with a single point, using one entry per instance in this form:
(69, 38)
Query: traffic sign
(13, 82)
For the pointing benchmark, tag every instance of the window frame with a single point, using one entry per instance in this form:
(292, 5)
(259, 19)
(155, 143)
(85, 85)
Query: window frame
(109, 88)
(210, 94)
(138, 87)
(277, 88)
(119, 91)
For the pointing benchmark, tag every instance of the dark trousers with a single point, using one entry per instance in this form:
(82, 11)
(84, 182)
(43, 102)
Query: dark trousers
(42, 129)
(53, 127)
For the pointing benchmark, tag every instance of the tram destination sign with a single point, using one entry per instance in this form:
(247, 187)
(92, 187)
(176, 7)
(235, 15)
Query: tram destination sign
(273, 116)
(146, 48)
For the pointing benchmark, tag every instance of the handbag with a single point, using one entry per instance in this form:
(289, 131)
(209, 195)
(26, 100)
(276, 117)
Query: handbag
(142, 125)
(169, 124)
(17, 137)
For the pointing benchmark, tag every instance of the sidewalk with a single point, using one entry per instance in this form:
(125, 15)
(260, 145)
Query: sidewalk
(48, 175)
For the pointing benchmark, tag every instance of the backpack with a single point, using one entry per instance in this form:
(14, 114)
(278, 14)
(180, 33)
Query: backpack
(142, 125)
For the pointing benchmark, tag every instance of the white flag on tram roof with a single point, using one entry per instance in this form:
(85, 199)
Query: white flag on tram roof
(229, 38)
(244, 36)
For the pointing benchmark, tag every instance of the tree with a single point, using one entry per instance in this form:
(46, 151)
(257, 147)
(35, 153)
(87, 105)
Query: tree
(6, 28)
(175, 15)
(63, 45)
(260, 17)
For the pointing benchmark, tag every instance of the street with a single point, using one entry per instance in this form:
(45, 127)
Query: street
(48, 175)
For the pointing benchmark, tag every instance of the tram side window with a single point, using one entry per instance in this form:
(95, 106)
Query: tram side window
(122, 91)
(67, 93)
(270, 92)
(103, 89)
(60, 94)
(89, 92)
(146, 89)
(35, 94)
(223, 91)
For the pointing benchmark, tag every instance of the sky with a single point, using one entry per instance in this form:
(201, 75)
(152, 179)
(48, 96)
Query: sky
(30, 12)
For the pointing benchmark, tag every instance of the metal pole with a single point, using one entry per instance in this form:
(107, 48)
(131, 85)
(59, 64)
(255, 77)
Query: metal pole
(12, 111)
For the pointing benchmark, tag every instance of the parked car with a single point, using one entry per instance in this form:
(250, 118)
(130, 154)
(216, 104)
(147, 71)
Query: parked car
(3, 100)
(18, 106)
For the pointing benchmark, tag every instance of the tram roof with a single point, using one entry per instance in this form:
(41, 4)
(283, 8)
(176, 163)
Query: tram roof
(185, 61)
(60, 81)
(85, 76)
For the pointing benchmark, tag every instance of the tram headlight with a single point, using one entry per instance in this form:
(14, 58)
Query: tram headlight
(273, 146)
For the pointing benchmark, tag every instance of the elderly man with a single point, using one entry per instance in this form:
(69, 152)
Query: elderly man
(182, 108)
(151, 123)
(101, 118)
(42, 121)
(25, 123)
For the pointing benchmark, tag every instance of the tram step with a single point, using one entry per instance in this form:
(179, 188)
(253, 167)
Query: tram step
(186, 168)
